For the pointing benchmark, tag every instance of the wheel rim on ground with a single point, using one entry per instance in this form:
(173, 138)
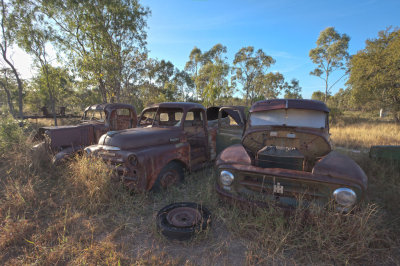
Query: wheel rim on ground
(184, 217)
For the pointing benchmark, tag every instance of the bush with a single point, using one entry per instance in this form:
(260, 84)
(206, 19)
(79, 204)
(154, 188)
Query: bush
(11, 133)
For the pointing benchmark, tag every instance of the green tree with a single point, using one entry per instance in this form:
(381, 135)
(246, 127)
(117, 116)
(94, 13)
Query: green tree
(8, 35)
(211, 81)
(8, 84)
(99, 38)
(250, 70)
(267, 86)
(318, 95)
(61, 87)
(342, 100)
(329, 55)
(292, 90)
(184, 83)
(193, 65)
(374, 73)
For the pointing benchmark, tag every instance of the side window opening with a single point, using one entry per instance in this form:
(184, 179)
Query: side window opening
(194, 118)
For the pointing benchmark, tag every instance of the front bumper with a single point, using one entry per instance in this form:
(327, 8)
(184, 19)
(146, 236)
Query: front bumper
(244, 202)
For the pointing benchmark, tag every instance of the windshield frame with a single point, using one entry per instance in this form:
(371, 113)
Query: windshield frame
(86, 115)
(305, 114)
(155, 119)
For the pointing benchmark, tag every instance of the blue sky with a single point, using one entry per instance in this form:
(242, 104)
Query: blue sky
(285, 30)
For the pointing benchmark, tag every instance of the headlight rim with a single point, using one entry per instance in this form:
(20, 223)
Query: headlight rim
(226, 182)
(339, 201)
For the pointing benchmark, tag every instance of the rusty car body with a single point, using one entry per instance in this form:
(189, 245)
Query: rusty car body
(285, 157)
(169, 138)
(63, 141)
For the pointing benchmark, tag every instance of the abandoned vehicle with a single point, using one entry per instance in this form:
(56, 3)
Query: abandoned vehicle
(285, 157)
(169, 139)
(63, 141)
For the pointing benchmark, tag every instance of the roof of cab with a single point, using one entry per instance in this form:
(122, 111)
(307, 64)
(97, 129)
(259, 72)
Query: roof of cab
(275, 104)
(183, 105)
(108, 106)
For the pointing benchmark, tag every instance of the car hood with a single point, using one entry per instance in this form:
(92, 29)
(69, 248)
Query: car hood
(141, 137)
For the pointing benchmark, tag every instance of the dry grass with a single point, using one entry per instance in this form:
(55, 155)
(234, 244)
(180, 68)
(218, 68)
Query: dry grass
(74, 214)
(364, 135)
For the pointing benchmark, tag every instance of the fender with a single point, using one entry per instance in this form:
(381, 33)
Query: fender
(152, 160)
(66, 153)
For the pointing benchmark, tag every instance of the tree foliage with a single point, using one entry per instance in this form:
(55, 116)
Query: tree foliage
(292, 90)
(8, 33)
(250, 70)
(318, 95)
(374, 73)
(330, 54)
(211, 80)
(61, 85)
(101, 39)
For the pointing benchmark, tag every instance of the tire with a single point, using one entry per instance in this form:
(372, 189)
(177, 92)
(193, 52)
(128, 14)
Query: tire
(182, 220)
(170, 175)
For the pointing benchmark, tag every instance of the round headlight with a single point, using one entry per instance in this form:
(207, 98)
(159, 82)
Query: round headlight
(226, 178)
(132, 159)
(345, 196)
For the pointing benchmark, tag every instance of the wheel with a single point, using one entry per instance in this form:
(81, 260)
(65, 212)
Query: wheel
(182, 220)
(171, 174)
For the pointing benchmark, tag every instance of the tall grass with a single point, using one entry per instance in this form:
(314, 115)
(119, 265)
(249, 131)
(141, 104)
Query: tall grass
(73, 214)
(364, 135)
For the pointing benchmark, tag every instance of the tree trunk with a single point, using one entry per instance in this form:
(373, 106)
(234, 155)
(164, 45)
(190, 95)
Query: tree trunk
(19, 82)
(52, 98)
(102, 88)
(326, 87)
(9, 100)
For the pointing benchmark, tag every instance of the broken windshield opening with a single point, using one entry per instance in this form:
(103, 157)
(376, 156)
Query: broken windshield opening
(93, 115)
(161, 117)
(289, 117)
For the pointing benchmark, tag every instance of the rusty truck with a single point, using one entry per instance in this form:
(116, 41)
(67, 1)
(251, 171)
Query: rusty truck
(286, 157)
(64, 141)
(169, 138)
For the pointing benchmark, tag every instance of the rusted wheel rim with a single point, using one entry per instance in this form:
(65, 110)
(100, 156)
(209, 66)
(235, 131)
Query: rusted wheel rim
(183, 217)
(169, 178)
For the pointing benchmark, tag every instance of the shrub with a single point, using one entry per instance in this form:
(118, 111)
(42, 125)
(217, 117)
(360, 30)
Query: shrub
(11, 133)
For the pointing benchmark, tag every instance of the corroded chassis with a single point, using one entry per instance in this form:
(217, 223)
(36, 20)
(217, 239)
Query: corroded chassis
(323, 171)
(140, 154)
(63, 141)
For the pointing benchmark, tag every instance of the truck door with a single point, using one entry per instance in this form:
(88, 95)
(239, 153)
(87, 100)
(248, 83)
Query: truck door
(197, 137)
(231, 122)
(122, 118)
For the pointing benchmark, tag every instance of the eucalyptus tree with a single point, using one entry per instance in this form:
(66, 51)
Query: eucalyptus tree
(184, 83)
(292, 90)
(374, 73)
(8, 36)
(330, 54)
(250, 70)
(7, 83)
(193, 65)
(34, 40)
(267, 86)
(98, 38)
(61, 86)
(211, 80)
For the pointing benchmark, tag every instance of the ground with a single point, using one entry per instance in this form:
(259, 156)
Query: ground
(74, 214)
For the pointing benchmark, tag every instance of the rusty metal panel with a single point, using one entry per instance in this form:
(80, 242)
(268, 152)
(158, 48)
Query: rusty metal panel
(288, 103)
